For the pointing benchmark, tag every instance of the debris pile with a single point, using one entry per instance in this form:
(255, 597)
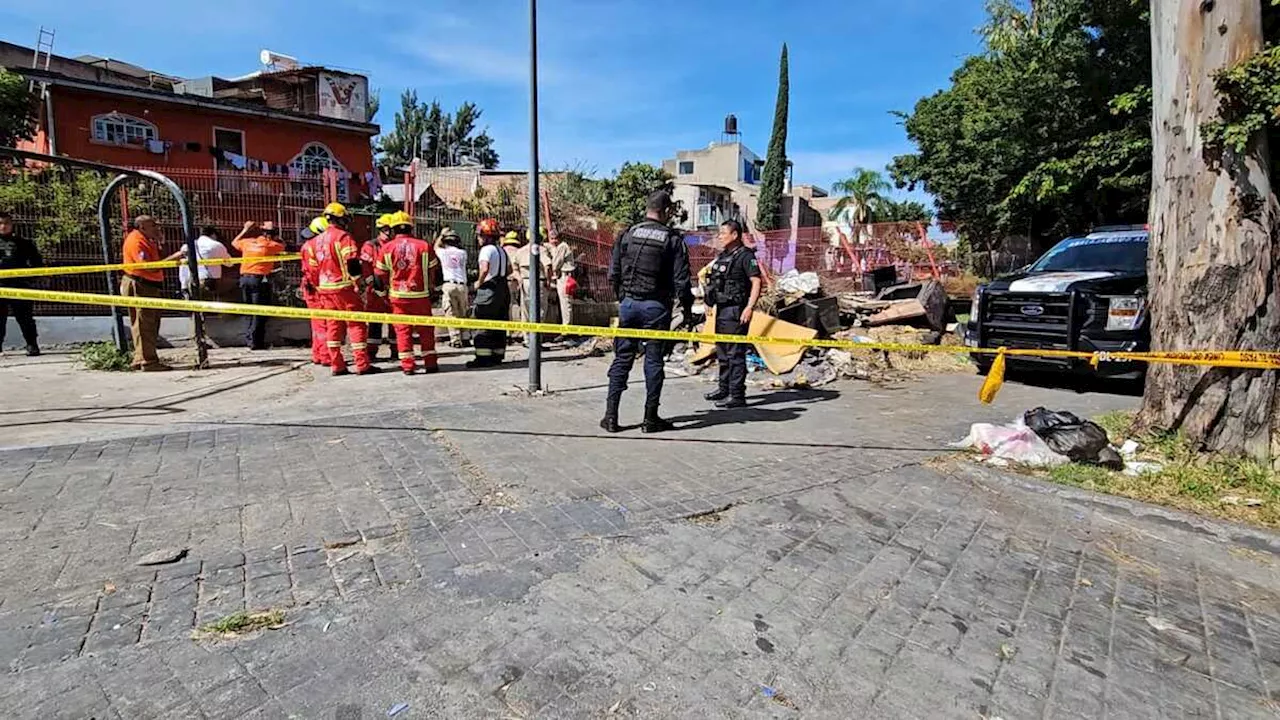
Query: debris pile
(796, 306)
(1043, 438)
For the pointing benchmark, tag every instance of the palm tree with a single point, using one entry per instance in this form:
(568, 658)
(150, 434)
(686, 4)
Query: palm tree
(863, 192)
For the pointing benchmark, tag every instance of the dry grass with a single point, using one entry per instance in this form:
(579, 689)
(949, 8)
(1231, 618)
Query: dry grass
(1233, 488)
(242, 623)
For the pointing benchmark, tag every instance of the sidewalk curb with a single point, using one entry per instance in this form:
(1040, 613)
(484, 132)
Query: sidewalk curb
(1221, 530)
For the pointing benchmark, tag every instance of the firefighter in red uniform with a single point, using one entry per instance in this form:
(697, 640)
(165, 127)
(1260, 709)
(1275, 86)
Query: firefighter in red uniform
(373, 291)
(338, 267)
(406, 267)
(310, 293)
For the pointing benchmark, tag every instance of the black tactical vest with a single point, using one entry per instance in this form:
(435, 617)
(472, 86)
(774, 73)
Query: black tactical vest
(728, 283)
(644, 247)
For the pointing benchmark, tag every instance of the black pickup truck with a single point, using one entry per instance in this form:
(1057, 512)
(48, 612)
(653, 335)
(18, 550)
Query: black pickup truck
(1087, 294)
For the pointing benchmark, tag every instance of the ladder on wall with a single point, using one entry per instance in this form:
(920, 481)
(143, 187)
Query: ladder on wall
(44, 52)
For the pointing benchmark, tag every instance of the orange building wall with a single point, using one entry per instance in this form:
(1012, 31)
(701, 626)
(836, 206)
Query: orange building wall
(269, 140)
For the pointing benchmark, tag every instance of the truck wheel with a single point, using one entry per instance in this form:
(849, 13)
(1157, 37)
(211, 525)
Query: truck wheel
(982, 362)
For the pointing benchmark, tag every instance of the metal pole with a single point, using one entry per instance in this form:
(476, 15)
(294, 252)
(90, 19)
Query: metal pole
(535, 239)
(193, 266)
(104, 228)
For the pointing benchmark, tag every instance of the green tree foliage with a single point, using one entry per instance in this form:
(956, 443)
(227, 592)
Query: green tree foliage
(774, 175)
(890, 210)
(621, 197)
(1250, 97)
(64, 204)
(438, 138)
(862, 193)
(17, 109)
(1047, 131)
(864, 200)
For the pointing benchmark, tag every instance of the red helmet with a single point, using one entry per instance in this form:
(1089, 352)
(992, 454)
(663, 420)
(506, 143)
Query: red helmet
(487, 227)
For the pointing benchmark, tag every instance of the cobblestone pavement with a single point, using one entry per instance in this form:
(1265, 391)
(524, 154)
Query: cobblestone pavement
(809, 556)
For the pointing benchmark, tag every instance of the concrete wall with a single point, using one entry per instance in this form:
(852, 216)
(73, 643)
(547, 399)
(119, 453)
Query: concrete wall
(223, 331)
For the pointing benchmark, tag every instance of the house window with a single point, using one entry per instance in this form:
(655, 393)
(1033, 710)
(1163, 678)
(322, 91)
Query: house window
(314, 159)
(117, 129)
(686, 167)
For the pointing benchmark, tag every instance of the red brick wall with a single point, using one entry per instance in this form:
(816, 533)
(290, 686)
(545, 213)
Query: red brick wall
(269, 140)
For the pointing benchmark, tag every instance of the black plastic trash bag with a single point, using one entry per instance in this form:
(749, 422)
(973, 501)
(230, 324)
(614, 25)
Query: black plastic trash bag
(1081, 440)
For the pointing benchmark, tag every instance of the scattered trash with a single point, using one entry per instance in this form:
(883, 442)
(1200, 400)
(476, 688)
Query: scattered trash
(1080, 440)
(613, 709)
(94, 396)
(325, 629)
(1237, 500)
(108, 525)
(49, 618)
(334, 441)
(116, 626)
(1129, 448)
(768, 691)
(1136, 468)
(754, 362)
(1015, 443)
(397, 709)
(108, 588)
(650, 687)
(162, 557)
(1007, 651)
(1086, 582)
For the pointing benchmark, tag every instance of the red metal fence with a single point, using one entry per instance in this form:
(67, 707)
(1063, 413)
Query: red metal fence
(839, 260)
(57, 206)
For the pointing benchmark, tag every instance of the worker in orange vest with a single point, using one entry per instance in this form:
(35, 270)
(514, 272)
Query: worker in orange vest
(337, 266)
(255, 276)
(310, 293)
(406, 266)
(142, 245)
(373, 292)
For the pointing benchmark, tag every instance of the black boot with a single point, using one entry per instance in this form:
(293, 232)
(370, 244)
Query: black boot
(729, 403)
(33, 350)
(717, 394)
(653, 423)
(610, 424)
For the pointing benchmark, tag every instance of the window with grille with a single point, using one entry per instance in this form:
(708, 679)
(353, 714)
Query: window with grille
(117, 129)
(316, 158)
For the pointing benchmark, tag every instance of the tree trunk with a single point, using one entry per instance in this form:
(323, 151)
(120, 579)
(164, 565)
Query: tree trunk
(1212, 262)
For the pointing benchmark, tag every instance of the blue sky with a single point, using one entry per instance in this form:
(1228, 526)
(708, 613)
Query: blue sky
(620, 80)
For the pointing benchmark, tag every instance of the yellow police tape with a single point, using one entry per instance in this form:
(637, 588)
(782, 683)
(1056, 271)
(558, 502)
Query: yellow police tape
(1247, 359)
(154, 265)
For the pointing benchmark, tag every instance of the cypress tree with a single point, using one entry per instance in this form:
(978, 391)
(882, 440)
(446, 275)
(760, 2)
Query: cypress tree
(769, 205)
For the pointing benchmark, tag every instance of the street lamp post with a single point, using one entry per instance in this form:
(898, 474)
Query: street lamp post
(535, 238)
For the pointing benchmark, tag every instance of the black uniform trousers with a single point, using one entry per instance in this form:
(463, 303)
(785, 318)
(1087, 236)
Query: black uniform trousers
(22, 312)
(731, 357)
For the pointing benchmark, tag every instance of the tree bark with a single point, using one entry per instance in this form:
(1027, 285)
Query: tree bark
(1212, 262)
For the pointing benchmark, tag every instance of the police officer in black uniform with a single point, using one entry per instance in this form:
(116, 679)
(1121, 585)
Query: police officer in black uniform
(649, 270)
(733, 287)
(18, 253)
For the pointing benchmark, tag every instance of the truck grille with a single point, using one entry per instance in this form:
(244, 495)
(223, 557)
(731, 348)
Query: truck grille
(1027, 320)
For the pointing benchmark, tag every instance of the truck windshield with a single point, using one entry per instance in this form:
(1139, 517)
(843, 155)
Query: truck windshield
(1120, 253)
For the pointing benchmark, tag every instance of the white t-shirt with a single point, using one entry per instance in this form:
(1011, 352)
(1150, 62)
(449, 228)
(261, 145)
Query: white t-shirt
(453, 264)
(497, 260)
(206, 249)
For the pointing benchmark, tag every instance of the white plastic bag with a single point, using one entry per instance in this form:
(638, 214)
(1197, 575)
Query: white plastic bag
(794, 282)
(1014, 442)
